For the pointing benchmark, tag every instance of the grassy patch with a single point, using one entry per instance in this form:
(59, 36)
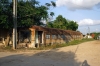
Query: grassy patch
(7, 48)
(75, 42)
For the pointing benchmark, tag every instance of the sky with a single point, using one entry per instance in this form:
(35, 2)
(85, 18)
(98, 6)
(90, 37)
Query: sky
(85, 12)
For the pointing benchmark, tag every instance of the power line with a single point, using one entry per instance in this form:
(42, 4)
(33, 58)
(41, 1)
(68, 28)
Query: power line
(89, 25)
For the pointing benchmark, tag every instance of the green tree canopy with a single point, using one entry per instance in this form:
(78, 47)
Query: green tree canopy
(29, 12)
(5, 14)
(62, 23)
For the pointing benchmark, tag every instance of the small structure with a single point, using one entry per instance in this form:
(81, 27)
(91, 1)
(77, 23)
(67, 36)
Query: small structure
(87, 36)
(37, 36)
(48, 36)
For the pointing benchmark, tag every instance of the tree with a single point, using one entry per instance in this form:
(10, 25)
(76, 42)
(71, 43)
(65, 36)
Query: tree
(62, 23)
(6, 18)
(72, 25)
(50, 25)
(31, 13)
(5, 14)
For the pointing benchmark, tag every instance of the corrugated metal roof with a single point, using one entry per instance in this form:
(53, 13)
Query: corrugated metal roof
(55, 31)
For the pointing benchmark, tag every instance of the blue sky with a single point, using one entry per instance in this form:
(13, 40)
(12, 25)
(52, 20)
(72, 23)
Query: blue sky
(85, 12)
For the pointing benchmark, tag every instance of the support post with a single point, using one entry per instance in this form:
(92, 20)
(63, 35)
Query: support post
(32, 45)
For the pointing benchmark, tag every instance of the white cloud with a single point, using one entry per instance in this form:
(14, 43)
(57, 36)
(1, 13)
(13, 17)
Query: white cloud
(85, 22)
(78, 4)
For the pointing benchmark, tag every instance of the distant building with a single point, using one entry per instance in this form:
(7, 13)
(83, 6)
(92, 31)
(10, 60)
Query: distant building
(87, 36)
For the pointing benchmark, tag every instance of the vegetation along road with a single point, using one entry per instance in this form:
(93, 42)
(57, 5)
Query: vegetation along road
(84, 54)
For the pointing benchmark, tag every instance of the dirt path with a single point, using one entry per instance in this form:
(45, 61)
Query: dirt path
(85, 54)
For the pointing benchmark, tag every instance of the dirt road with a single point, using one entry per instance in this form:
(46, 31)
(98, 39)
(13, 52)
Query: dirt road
(85, 54)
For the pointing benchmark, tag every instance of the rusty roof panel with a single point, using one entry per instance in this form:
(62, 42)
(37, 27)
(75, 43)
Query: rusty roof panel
(55, 31)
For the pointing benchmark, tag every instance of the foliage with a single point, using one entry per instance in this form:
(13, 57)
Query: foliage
(5, 14)
(72, 25)
(60, 22)
(29, 13)
(63, 23)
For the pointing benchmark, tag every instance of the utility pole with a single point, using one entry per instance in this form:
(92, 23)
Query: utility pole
(15, 24)
(89, 30)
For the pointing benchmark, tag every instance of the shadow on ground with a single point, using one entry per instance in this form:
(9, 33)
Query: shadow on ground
(85, 63)
(43, 58)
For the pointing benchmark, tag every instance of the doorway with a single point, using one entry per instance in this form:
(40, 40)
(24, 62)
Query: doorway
(39, 37)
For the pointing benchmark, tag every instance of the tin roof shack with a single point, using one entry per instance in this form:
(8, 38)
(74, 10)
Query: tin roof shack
(37, 36)
(47, 36)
